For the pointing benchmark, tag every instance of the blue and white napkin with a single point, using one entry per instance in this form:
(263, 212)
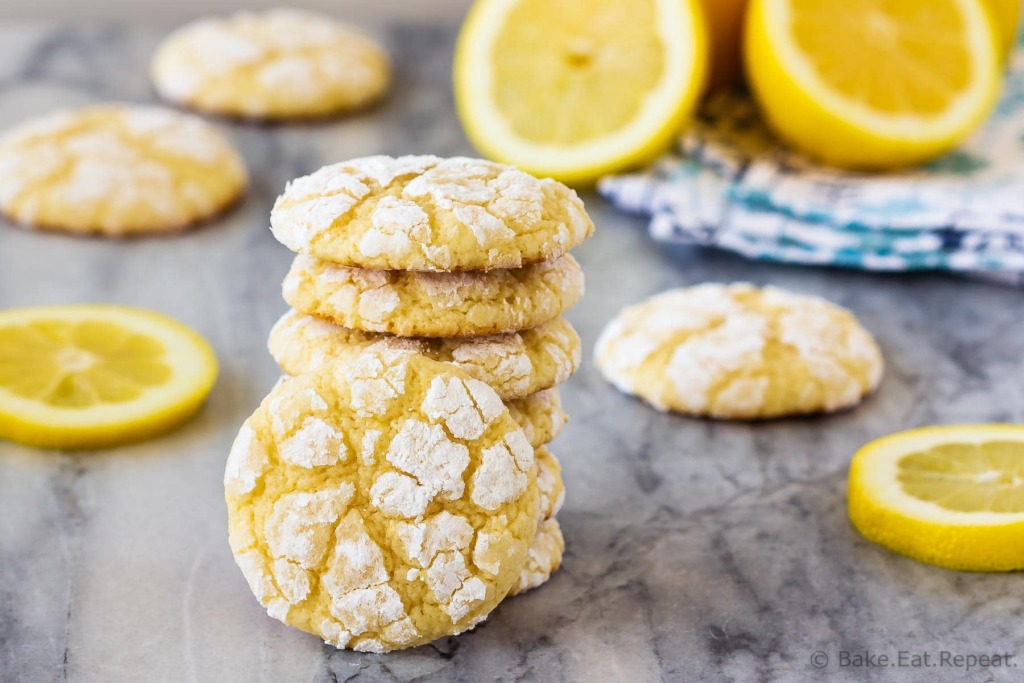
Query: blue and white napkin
(730, 185)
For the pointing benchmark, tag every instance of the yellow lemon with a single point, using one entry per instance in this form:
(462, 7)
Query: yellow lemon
(871, 84)
(574, 89)
(948, 496)
(89, 376)
(1006, 15)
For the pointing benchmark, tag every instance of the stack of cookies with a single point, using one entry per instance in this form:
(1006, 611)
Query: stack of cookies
(461, 261)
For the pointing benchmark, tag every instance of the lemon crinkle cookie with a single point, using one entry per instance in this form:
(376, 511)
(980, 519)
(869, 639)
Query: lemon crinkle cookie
(275, 64)
(117, 170)
(540, 415)
(428, 213)
(515, 365)
(422, 304)
(739, 352)
(545, 555)
(381, 503)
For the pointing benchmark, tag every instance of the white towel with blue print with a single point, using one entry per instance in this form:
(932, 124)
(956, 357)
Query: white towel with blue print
(732, 186)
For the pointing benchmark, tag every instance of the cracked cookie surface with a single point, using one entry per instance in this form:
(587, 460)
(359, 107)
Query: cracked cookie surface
(117, 170)
(740, 352)
(426, 213)
(275, 64)
(419, 304)
(540, 415)
(381, 503)
(516, 365)
(545, 555)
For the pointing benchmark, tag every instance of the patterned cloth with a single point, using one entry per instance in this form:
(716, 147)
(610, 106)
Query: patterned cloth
(731, 186)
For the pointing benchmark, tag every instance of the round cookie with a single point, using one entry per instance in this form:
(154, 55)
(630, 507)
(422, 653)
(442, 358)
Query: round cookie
(381, 503)
(549, 483)
(427, 213)
(545, 557)
(417, 304)
(540, 415)
(546, 550)
(117, 170)
(739, 352)
(516, 365)
(276, 64)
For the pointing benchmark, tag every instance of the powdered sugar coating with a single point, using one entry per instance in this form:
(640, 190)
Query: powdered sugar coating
(545, 557)
(280, 63)
(117, 170)
(417, 304)
(515, 365)
(540, 415)
(373, 547)
(736, 351)
(426, 213)
(549, 483)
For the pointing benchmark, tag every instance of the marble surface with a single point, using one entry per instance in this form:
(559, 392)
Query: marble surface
(696, 550)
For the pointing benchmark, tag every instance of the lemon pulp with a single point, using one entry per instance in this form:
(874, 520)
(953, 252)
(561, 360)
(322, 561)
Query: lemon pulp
(574, 89)
(967, 477)
(948, 496)
(88, 376)
(872, 83)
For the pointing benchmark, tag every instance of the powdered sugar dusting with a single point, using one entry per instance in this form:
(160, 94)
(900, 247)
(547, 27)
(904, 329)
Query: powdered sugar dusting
(117, 169)
(715, 349)
(420, 200)
(315, 444)
(299, 528)
(248, 460)
(425, 452)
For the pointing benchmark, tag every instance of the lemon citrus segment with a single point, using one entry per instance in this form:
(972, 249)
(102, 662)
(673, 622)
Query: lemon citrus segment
(1006, 16)
(872, 83)
(88, 376)
(948, 496)
(573, 89)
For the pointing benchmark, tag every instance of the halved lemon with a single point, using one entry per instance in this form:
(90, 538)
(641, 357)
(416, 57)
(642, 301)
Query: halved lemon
(573, 89)
(89, 376)
(1006, 15)
(948, 496)
(871, 84)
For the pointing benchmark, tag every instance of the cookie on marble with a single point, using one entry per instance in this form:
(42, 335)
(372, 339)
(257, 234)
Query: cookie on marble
(545, 557)
(427, 213)
(545, 554)
(516, 365)
(549, 483)
(275, 64)
(117, 170)
(540, 415)
(382, 503)
(421, 304)
(739, 352)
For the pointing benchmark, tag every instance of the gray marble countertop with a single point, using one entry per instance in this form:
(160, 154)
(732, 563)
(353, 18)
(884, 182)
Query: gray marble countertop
(696, 550)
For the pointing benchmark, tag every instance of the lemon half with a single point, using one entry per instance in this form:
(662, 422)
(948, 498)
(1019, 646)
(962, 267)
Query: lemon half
(872, 83)
(574, 89)
(948, 496)
(89, 376)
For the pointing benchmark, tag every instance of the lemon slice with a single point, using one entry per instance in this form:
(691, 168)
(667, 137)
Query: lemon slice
(948, 496)
(872, 83)
(92, 376)
(1006, 15)
(576, 88)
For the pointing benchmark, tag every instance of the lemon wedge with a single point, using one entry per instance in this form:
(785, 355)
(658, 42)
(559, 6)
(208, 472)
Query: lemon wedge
(948, 496)
(872, 84)
(574, 89)
(89, 376)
